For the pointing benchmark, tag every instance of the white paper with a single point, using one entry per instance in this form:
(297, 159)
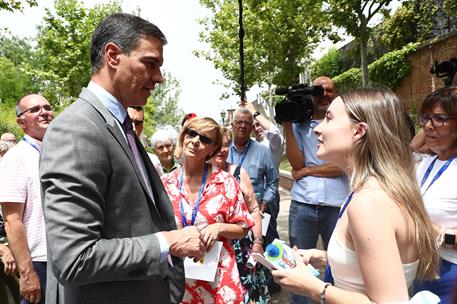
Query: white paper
(262, 260)
(206, 268)
(265, 223)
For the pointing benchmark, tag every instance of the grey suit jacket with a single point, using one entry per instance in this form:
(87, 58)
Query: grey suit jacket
(100, 220)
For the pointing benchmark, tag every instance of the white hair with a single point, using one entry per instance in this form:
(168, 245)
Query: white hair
(166, 133)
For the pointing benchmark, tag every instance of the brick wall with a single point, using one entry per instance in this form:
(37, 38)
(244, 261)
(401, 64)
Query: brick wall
(419, 83)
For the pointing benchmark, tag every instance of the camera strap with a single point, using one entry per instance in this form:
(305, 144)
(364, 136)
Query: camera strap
(243, 154)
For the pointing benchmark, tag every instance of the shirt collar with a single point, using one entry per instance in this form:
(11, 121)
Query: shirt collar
(33, 140)
(110, 102)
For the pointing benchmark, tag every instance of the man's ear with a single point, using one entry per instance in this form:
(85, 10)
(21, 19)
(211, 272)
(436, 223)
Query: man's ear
(112, 52)
(360, 130)
(20, 122)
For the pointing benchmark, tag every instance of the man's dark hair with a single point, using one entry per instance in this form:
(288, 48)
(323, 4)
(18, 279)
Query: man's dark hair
(124, 30)
(138, 108)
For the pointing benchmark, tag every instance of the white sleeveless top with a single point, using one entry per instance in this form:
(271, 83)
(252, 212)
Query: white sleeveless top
(346, 271)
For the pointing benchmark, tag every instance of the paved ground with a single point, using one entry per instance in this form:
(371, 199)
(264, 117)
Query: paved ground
(283, 230)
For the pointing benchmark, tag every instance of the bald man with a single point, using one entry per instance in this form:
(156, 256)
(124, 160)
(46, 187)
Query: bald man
(21, 201)
(319, 188)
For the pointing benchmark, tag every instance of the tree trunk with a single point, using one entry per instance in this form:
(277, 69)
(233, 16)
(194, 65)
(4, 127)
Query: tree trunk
(364, 59)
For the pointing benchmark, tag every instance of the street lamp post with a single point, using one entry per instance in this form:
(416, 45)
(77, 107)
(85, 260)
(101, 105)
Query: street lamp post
(223, 117)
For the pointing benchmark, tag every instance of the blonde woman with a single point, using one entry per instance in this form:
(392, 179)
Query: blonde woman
(209, 198)
(383, 238)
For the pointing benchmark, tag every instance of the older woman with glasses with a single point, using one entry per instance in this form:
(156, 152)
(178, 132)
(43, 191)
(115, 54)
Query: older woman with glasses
(254, 279)
(436, 175)
(209, 198)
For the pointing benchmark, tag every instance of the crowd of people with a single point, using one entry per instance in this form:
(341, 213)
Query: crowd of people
(91, 216)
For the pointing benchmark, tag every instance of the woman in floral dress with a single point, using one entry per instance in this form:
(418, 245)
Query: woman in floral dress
(211, 199)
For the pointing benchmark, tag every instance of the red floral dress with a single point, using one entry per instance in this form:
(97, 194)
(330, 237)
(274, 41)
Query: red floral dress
(221, 202)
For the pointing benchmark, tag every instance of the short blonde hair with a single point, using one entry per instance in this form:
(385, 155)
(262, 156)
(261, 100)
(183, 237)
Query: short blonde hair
(200, 124)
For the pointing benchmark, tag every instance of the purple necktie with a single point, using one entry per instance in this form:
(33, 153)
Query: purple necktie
(133, 147)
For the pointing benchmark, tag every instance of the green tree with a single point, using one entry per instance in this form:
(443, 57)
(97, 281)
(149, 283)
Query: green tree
(162, 107)
(62, 58)
(279, 38)
(354, 16)
(15, 53)
(411, 22)
(329, 65)
(12, 5)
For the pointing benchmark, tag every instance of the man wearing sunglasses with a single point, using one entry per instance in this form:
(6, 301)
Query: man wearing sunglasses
(21, 201)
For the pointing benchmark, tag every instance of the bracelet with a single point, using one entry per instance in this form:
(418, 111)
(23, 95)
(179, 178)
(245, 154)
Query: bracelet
(322, 297)
(258, 239)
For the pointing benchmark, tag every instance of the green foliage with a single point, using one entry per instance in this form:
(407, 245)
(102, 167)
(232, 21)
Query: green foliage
(62, 58)
(389, 70)
(411, 22)
(162, 107)
(354, 16)
(14, 83)
(8, 120)
(16, 49)
(329, 65)
(15, 53)
(279, 38)
(352, 78)
(12, 5)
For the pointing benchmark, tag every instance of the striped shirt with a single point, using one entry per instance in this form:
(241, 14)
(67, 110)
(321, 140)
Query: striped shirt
(20, 183)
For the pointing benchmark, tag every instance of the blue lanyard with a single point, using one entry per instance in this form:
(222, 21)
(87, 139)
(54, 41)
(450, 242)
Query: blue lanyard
(328, 277)
(243, 154)
(194, 212)
(32, 144)
(437, 175)
(345, 205)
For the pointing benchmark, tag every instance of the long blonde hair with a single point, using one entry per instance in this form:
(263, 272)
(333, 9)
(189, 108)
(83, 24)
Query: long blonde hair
(384, 153)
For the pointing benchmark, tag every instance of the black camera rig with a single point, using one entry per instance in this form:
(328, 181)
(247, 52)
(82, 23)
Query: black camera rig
(297, 105)
(445, 70)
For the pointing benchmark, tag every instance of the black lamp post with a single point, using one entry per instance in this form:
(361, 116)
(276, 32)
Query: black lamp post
(223, 117)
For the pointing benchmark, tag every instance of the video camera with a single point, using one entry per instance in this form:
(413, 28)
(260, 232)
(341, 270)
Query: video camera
(297, 105)
(446, 70)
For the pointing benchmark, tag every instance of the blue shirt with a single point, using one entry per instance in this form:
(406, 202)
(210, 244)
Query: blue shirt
(330, 191)
(260, 167)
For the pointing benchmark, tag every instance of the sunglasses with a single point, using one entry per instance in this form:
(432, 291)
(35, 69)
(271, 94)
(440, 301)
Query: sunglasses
(36, 109)
(203, 138)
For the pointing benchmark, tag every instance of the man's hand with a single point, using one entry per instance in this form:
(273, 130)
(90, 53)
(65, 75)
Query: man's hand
(8, 261)
(186, 242)
(29, 284)
(263, 207)
(298, 174)
(248, 105)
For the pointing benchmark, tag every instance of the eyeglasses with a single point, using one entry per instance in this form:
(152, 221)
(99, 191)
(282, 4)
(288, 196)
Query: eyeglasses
(36, 109)
(437, 120)
(240, 122)
(203, 138)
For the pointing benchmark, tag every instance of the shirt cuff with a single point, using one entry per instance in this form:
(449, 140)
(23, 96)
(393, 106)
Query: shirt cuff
(164, 248)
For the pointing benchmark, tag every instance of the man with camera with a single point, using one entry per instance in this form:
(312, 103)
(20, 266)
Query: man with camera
(319, 188)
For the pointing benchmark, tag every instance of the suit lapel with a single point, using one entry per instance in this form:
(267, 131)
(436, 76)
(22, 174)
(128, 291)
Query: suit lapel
(111, 125)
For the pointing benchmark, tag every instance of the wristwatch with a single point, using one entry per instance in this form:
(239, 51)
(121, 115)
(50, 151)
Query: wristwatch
(449, 238)
(256, 113)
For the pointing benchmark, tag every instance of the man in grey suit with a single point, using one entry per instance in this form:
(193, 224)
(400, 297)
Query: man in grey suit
(110, 226)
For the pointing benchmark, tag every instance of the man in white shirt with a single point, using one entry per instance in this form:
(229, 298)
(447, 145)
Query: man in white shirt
(21, 201)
